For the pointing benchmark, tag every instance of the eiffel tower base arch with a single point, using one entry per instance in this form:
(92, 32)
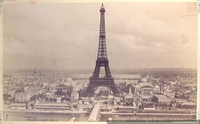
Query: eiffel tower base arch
(97, 82)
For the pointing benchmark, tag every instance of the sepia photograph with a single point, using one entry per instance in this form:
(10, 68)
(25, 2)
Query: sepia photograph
(99, 61)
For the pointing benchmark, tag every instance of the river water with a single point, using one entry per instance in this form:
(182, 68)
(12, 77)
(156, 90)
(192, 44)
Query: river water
(16, 116)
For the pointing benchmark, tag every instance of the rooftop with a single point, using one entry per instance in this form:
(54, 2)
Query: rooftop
(145, 85)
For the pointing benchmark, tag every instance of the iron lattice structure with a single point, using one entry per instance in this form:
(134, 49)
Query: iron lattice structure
(102, 61)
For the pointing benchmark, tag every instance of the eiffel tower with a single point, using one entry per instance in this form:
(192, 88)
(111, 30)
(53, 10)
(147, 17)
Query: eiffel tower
(102, 61)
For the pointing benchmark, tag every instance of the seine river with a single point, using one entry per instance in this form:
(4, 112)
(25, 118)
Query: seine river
(16, 116)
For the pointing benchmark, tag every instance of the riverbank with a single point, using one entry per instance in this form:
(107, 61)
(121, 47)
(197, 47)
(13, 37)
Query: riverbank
(149, 114)
(103, 113)
(39, 111)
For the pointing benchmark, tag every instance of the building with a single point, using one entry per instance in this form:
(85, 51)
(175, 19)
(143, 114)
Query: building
(136, 89)
(60, 87)
(18, 106)
(75, 95)
(127, 109)
(82, 77)
(156, 89)
(129, 97)
(145, 98)
(145, 89)
(58, 99)
(106, 108)
(22, 97)
(126, 77)
(52, 106)
(33, 89)
(163, 99)
(188, 105)
(143, 80)
(121, 77)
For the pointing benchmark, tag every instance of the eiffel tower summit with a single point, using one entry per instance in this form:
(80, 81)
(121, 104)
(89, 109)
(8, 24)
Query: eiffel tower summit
(102, 61)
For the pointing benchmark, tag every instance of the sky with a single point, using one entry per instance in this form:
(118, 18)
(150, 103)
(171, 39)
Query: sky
(65, 35)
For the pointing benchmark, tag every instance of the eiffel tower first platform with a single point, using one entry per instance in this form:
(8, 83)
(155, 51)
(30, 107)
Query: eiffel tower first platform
(102, 61)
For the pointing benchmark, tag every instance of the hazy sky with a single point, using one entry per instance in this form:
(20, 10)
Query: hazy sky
(62, 36)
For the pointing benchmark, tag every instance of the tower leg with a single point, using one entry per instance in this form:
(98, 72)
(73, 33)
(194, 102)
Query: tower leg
(107, 71)
(96, 71)
(88, 90)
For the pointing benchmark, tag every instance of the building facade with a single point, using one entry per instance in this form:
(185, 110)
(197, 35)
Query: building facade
(22, 97)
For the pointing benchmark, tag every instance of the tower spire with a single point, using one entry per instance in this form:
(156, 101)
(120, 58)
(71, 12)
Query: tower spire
(102, 52)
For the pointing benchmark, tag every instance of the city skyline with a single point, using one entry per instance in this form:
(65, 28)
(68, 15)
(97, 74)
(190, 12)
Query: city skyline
(138, 35)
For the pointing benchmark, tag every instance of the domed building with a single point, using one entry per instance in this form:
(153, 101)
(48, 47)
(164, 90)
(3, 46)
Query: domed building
(144, 86)
(143, 80)
(145, 90)
(141, 85)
